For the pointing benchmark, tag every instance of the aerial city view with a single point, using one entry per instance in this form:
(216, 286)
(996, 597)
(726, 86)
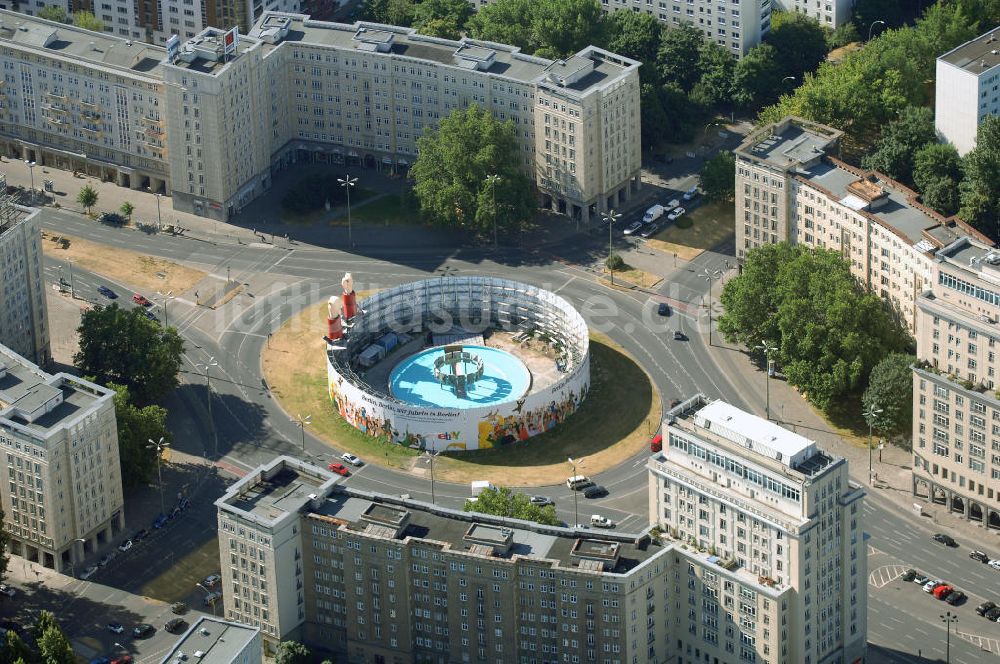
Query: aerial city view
(500, 331)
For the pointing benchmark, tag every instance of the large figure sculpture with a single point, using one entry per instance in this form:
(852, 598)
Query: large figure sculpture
(350, 299)
(334, 324)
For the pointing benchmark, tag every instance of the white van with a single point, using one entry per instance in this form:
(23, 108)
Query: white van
(653, 213)
(478, 486)
(578, 482)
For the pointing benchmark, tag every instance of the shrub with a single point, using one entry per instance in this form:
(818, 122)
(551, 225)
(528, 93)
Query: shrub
(684, 222)
(615, 262)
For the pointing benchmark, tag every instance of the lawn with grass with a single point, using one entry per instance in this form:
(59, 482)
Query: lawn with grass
(177, 581)
(712, 223)
(633, 276)
(388, 210)
(615, 422)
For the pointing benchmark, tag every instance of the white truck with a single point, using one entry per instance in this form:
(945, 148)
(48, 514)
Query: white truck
(653, 213)
(479, 486)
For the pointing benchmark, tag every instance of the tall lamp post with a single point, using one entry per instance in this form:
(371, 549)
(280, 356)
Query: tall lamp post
(430, 455)
(870, 413)
(710, 277)
(767, 348)
(492, 181)
(208, 594)
(788, 78)
(159, 223)
(301, 423)
(874, 23)
(207, 366)
(576, 500)
(347, 182)
(31, 171)
(159, 446)
(169, 295)
(610, 217)
(948, 619)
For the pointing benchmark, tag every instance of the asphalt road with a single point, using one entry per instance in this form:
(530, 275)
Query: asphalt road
(252, 428)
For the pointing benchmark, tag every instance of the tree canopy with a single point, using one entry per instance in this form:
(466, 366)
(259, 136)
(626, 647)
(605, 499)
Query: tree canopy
(450, 173)
(829, 331)
(501, 501)
(136, 427)
(679, 55)
(902, 138)
(54, 13)
(890, 389)
(800, 41)
(548, 28)
(87, 21)
(87, 197)
(636, 36)
(758, 77)
(126, 348)
(937, 171)
(292, 652)
(980, 190)
(718, 177)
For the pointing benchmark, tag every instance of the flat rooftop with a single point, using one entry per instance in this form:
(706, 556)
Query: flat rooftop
(205, 52)
(789, 143)
(218, 642)
(79, 44)
(974, 257)
(272, 495)
(978, 55)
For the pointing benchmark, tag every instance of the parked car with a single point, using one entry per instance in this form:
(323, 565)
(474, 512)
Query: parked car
(995, 564)
(122, 659)
(7, 591)
(160, 521)
(921, 579)
(633, 228)
(663, 309)
(942, 591)
(909, 575)
(184, 504)
(691, 194)
(211, 580)
(650, 230)
(992, 614)
(125, 546)
(112, 218)
(151, 316)
(983, 608)
(599, 521)
(980, 556)
(174, 513)
(116, 628)
(140, 535)
(143, 631)
(676, 214)
(339, 468)
(955, 597)
(351, 459)
(596, 491)
(141, 299)
(656, 444)
(100, 660)
(89, 572)
(107, 292)
(180, 608)
(931, 585)
(947, 540)
(679, 336)
(673, 205)
(541, 500)
(175, 625)
(212, 598)
(107, 558)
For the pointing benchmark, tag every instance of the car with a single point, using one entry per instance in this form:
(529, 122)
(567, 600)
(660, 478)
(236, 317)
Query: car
(541, 500)
(980, 556)
(175, 625)
(107, 558)
(663, 309)
(582, 526)
(183, 504)
(112, 218)
(921, 579)
(180, 608)
(649, 230)
(174, 513)
(596, 491)
(140, 535)
(995, 564)
(983, 608)
(942, 591)
(7, 591)
(931, 585)
(89, 572)
(351, 459)
(339, 468)
(909, 575)
(679, 336)
(673, 205)
(151, 316)
(211, 580)
(633, 228)
(676, 214)
(141, 299)
(125, 546)
(599, 521)
(691, 194)
(212, 598)
(116, 628)
(955, 597)
(160, 521)
(107, 292)
(992, 614)
(122, 659)
(143, 631)
(947, 540)
(101, 660)
(656, 444)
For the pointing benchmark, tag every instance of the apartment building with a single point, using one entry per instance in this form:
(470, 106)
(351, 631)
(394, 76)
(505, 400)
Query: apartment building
(791, 188)
(956, 409)
(24, 320)
(967, 89)
(213, 641)
(81, 100)
(62, 499)
(784, 512)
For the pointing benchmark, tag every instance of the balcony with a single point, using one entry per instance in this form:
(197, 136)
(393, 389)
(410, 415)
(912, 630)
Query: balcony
(57, 97)
(56, 108)
(91, 115)
(93, 132)
(153, 132)
(88, 104)
(154, 121)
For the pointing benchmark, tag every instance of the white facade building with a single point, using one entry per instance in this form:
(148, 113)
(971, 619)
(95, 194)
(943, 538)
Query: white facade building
(24, 319)
(967, 89)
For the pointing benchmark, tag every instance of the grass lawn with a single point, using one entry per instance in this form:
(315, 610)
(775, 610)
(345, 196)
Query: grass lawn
(633, 276)
(620, 413)
(176, 582)
(712, 223)
(389, 209)
(128, 267)
(323, 215)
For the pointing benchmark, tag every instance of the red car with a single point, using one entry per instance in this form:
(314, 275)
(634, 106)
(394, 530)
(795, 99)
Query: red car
(339, 468)
(942, 591)
(656, 445)
(141, 299)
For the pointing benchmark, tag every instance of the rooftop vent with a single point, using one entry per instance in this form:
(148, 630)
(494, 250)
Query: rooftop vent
(992, 258)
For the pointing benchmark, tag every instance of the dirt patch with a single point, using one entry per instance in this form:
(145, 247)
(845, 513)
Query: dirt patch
(145, 273)
(635, 277)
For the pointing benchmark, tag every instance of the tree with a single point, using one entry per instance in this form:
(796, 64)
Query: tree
(292, 652)
(451, 169)
(44, 621)
(442, 18)
(53, 13)
(501, 501)
(14, 648)
(890, 389)
(679, 55)
(127, 209)
(126, 348)
(653, 118)
(894, 152)
(829, 331)
(846, 34)
(800, 40)
(136, 427)
(87, 21)
(867, 12)
(715, 86)
(55, 648)
(87, 198)
(937, 171)
(684, 116)
(718, 177)
(547, 28)
(980, 190)
(504, 22)
(636, 36)
(757, 77)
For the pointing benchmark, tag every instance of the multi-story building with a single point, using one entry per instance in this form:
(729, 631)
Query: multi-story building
(24, 320)
(387, 579)
(967, 89)
(62, 499)
(956, 408)
(214, 641)
(770, 501)
(790, 188)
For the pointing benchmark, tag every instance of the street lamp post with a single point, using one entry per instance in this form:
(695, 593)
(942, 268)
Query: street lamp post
(710, 277)
(31, 171)
(610, 217)
(301, 423)
(576, 500)
(768, 349)
(492, 181)
(169, 295)
(431, 454)
(72, 291)
(159, 446)
(869, 415)
(208, 385)
(348, 182)
(788, 78)
(207, 595)
(872, 26)
(948, 619)
(159, 223)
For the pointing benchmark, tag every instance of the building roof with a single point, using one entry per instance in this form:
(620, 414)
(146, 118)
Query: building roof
(755, 433)
(789, 144)
(978, 55)
(976, 258)
(212, 641)
(78, 44)
(277, 490)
